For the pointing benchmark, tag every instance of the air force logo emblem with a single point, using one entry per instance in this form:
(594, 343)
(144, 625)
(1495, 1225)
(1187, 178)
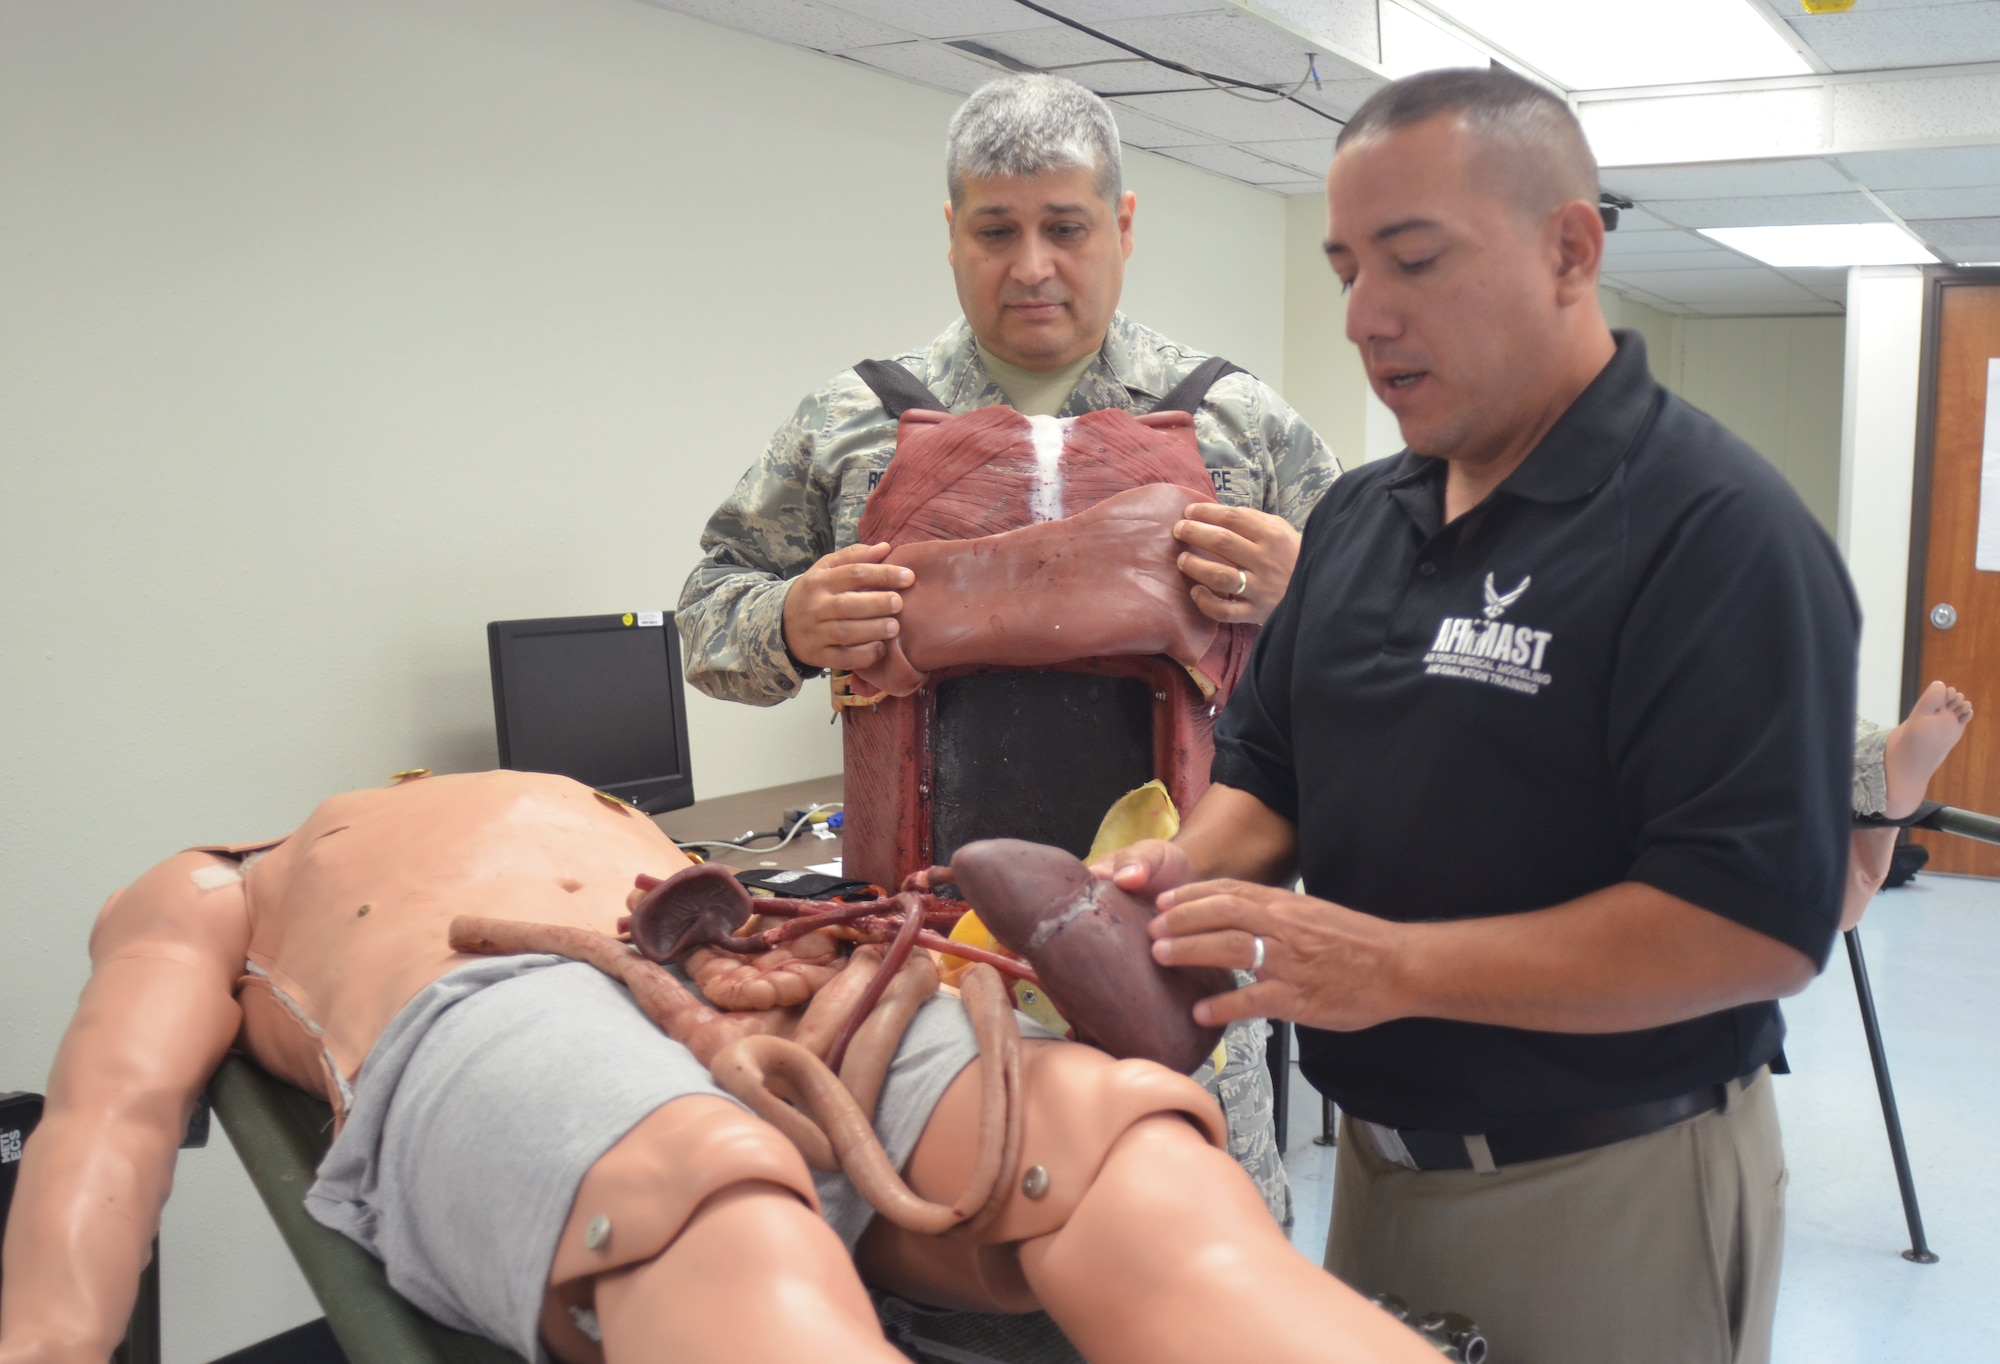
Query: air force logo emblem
(1496, 605)
(1481, 649)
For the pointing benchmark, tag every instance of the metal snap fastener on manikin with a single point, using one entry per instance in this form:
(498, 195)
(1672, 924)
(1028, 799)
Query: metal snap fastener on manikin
(1035, 1182)
(1944, 615)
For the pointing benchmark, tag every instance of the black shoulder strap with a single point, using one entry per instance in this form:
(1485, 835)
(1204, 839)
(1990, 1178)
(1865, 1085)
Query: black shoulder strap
(898, 389)
(1186, 395)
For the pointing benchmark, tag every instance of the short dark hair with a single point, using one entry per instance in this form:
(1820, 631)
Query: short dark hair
(1540, 146)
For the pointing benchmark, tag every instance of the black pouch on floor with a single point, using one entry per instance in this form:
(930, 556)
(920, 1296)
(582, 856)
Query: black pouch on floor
(1905, 862)
(800, 885)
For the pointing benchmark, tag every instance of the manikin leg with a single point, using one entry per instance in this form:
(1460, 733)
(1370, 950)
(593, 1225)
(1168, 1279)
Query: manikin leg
(756, 1275)
(1172, 1255)
(1911, 753)
(1918, 745)
(698, 1237)
(1869, 855)
(1147, 1242)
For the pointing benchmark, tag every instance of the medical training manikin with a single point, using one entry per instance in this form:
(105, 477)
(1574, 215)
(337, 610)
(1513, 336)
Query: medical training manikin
(685, 1230)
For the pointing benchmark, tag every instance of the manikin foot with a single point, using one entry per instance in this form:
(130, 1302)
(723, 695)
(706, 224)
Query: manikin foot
(1919, 744)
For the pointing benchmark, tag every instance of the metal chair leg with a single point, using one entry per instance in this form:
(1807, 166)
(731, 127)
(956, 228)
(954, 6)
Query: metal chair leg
(1919, 1252)
(1278, 1055)
(1326, 1136)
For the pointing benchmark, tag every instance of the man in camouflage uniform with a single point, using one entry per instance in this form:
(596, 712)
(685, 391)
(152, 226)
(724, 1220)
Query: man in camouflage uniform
(1040, 229)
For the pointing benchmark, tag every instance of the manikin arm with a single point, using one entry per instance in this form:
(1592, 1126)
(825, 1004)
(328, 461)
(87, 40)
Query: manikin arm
(1619, 959)
(154, 1020)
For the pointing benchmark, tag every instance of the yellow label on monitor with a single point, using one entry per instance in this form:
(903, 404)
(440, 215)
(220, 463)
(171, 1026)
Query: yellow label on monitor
(1827, 6)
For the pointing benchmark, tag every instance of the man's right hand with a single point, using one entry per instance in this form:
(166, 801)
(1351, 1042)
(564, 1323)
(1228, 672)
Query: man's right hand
(841, 612)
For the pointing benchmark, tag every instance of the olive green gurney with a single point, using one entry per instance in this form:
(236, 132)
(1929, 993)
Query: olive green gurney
(281, 1133)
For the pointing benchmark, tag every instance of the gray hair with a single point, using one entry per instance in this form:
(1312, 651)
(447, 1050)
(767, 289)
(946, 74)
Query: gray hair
(1538, 147)
(1027, 124)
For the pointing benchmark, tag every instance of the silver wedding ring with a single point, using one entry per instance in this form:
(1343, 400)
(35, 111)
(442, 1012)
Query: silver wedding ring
(1242, 581)
(1256, 954)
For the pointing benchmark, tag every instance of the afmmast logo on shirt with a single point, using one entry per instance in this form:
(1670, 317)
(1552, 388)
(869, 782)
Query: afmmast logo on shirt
(1483, 649)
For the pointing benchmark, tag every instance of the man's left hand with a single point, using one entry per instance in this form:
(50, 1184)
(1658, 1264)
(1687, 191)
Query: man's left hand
(1239, 560)
(1324, 965)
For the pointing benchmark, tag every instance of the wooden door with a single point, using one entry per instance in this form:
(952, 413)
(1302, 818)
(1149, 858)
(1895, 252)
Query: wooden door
(1962, 334)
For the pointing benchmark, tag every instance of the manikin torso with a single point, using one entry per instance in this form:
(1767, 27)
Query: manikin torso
(348, 915)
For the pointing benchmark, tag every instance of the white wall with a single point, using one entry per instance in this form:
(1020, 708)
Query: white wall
(1776, 382)
(334, 330)
(1664, 334)
(1885, 306)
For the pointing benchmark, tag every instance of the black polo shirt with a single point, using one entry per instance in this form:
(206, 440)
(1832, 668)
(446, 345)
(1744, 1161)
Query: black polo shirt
(1634, 661)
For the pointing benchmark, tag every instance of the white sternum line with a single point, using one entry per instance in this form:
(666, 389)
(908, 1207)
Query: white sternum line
(1045, 499)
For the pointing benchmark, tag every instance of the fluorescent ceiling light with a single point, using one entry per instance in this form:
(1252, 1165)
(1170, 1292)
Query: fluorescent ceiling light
(1825, 244)
(1413, 42)
(1588, 45)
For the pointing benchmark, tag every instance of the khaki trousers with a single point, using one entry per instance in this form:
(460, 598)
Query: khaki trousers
(1659, 1250)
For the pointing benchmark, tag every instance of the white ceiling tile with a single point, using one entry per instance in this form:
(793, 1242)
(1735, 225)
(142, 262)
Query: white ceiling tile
(1312, 188)
(1643, 263)
(1830, 285)
(1143, 130)
(1777, 211)
(1233, 118)
(1739, 179)
(1718, 286)
(957, 19)
(790, 21)
(1962, 239)
(1350, 24)
(1638, 220)
(1310, 154)
(1116, 79)
(1966, 201)
(1645, 296)
(1905, 110)
(1926, 168)
(1229, 44)
(1341, 98)
(1098, 13)
(1808, 307)
(1884, 36)
(931, 63)
(1057, 45)
(1235, 163)
(1640, 241)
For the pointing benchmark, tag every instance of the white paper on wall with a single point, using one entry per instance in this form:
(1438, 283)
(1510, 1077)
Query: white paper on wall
(1986, 553)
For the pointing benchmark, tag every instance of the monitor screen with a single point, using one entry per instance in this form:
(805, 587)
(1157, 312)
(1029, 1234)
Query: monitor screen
(597, 698)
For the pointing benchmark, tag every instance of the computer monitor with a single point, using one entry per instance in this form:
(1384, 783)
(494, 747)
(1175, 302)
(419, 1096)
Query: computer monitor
(597, 698)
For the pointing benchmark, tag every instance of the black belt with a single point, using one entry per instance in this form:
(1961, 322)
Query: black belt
(1547, 1138)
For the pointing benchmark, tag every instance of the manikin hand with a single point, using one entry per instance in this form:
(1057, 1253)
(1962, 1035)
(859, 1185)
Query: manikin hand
(1230, 547)
(840, 612)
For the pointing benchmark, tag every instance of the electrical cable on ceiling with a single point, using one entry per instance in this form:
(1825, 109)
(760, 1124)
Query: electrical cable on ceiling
(1228, 85)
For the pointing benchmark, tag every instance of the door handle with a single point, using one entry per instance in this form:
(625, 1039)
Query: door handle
(1944, 616)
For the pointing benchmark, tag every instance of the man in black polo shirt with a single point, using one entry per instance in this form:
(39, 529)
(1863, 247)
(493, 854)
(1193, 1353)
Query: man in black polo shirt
(1555, 722)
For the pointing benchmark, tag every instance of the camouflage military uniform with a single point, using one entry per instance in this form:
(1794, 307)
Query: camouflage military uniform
(1243, 1088)
(803, 499)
